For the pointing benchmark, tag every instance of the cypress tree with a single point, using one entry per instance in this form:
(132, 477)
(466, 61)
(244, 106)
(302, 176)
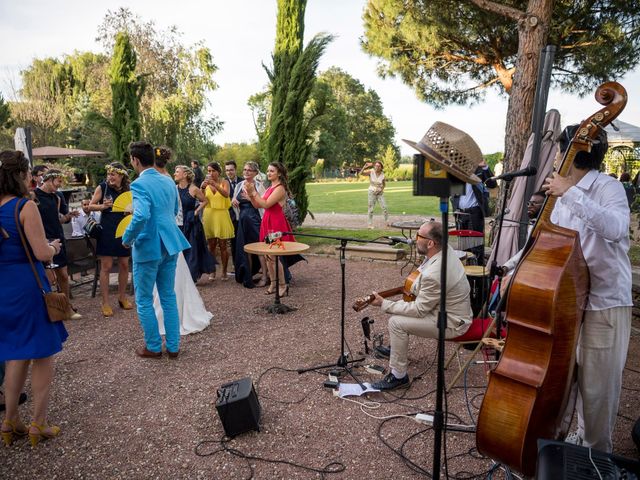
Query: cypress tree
(292, 79)
(126, 90)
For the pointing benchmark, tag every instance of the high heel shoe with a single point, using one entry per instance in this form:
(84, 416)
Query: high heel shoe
(271, 290)
(107, 311)
(262, 283)
(125, 304)
(10, 429)
(42, 432)
(286, 292)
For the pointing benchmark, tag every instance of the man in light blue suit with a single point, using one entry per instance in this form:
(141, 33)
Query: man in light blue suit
(156, 241)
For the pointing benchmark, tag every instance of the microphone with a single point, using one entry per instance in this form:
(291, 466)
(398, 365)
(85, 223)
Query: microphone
(396, 240)
(525, 172)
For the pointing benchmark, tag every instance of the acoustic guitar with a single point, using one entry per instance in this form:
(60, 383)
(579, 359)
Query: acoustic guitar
(405, 290)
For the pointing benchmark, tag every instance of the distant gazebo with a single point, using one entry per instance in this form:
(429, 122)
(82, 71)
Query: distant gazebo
(624, 148)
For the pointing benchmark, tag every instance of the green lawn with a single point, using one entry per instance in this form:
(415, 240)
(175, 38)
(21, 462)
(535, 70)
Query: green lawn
(351, 197)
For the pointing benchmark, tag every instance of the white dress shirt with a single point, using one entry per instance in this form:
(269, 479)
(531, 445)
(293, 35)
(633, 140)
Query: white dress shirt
(78, 223)
(597, 209)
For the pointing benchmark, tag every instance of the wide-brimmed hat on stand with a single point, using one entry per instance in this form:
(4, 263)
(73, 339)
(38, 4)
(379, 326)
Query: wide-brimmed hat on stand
(452, 149)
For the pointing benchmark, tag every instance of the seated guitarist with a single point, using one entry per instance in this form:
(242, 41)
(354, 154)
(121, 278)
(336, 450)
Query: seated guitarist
(420, 317)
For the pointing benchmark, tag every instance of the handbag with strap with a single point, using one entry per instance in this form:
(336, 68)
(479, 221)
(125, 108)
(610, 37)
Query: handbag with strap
(57, 303)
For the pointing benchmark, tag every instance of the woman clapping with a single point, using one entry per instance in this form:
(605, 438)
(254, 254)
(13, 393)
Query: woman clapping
(218, 227)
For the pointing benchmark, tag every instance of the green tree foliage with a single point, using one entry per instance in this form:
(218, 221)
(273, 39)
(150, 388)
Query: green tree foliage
(5, 114)
(354, 126)
(493, 158)
(292, 78)
(446, 60)
(57, 96)
(451, 51)
(178, 79)
(126, 90)
(6, 122)
(240, 152)
(390, 159)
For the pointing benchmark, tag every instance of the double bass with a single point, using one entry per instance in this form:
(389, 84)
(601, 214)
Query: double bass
(530, 390)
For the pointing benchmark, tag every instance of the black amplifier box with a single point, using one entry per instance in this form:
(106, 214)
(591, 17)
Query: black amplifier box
(238, 407)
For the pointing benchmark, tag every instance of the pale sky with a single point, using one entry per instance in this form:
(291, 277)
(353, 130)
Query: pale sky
(240, 35)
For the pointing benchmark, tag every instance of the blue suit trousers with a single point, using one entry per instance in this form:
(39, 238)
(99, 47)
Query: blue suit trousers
(161, 273)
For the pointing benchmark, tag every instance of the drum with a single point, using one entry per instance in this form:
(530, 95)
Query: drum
(463, 256)
(478, 277)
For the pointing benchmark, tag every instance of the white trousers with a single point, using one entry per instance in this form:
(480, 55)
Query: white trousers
(372, 199)
(400, 327)
(601, 356)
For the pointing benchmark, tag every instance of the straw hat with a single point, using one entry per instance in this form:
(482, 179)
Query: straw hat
(452, 149)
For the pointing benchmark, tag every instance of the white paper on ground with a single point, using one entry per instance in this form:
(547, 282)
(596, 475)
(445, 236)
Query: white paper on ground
(347, 389)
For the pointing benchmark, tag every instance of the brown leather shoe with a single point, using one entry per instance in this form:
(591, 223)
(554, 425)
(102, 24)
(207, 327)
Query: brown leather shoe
(173, 354)
(144, 353)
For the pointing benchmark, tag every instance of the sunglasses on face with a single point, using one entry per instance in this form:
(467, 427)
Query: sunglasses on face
(423, 237)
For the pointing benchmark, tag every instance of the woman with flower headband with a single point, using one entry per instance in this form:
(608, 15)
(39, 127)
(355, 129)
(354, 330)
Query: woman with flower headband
(108, 246)
(54, 211)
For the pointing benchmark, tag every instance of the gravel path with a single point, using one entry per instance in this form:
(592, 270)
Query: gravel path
(126, 417)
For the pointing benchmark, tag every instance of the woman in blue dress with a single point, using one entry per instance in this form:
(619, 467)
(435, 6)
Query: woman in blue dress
(26, 334)
(249, 219)
(108, 246)
(197, 257)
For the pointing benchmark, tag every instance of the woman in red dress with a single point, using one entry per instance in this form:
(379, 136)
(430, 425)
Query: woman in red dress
(272, 201)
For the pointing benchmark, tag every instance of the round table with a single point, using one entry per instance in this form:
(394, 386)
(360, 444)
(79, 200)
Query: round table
(277, 249)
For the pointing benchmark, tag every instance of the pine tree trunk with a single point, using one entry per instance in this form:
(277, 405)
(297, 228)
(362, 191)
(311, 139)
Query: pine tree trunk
(533, 32)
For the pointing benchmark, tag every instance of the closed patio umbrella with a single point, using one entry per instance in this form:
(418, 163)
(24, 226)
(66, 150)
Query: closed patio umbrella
(517, 203)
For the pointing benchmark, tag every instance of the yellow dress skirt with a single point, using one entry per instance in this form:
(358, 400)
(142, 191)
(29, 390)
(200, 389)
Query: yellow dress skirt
(216, 218)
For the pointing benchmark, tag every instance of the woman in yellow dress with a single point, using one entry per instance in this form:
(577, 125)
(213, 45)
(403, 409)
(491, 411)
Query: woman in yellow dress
(218, 227)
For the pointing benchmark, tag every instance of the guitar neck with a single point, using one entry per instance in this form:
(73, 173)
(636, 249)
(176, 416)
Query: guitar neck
(388, 293)
(366, 301)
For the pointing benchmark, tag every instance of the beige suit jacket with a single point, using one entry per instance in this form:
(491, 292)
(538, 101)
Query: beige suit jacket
(426, 288)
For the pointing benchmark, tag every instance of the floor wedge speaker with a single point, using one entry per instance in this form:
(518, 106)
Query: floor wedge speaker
(238, 407)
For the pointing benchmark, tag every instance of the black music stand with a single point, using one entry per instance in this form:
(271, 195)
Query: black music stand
(343, 361)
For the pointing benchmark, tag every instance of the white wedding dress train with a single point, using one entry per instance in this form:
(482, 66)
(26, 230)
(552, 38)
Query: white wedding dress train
(194, 317)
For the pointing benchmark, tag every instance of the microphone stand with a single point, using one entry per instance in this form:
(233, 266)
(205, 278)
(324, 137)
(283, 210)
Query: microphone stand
(342, 361)
(438, 414)
(493, 271)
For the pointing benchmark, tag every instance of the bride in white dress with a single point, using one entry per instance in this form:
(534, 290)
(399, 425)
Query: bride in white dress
(194, 317)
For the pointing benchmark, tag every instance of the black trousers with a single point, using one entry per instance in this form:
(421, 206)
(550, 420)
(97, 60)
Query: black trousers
(473, 221)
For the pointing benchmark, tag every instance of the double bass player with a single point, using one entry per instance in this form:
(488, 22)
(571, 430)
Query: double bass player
(595, 205)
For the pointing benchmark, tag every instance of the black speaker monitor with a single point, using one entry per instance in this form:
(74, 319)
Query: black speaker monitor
(238, 407)
(430, 179)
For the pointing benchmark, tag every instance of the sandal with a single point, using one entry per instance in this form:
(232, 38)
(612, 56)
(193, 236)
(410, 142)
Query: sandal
(10, 429)
(42, 432)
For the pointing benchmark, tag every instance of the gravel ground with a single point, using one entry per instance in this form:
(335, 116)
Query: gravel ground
(126, 417)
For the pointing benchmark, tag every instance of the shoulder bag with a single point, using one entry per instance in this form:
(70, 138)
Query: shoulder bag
(57, 303)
